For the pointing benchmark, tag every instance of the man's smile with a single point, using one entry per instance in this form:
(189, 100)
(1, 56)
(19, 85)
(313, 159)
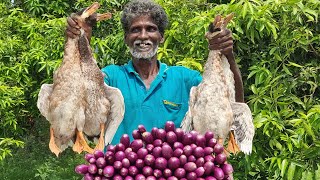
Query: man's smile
(142, 46)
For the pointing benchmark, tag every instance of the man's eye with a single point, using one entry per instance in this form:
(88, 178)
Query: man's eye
(152, 29)
(134, 30)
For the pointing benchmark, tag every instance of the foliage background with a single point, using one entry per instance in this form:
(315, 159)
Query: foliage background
(277, 46)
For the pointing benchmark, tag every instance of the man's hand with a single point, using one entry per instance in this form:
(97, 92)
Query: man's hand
(223, 42)
(73, 26)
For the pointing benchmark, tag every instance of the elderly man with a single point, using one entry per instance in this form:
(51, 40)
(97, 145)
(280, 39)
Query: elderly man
(153, 91)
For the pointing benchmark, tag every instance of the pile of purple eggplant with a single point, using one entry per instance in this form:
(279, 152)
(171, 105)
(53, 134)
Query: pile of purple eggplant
(168, 153)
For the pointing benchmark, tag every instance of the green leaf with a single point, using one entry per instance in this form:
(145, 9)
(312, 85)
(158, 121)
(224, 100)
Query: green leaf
(307, 175)
(278, 145)
(252, 73)
(167, 42)
(254, 89)
(295, 64)
(262, 26)
(259, 121)
(244, 10)
(238, 29)
(252, 35)
(272, 50)
(250, 7)
(249, 23)
(286, 69)
(291, 171)
(298, 101)
(312, 12)
(284, 166)
(309, 130)
(273, 30)
(317, 172)
(290, 146)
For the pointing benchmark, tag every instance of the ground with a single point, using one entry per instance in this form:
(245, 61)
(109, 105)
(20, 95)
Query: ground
(35, 161)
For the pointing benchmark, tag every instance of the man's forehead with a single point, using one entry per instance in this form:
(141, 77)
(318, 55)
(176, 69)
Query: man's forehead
(143, 19)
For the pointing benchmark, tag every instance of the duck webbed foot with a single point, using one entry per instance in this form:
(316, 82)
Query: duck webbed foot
(52, 145)
(232, 145)
(81, 144)
(100, 144)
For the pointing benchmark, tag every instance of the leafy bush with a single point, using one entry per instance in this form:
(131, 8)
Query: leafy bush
(277, 45)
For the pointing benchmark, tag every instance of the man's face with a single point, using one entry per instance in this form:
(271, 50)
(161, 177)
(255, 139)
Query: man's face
(143, 38)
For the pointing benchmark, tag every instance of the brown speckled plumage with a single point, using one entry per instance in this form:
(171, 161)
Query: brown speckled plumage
(212, 105)
(79, 100)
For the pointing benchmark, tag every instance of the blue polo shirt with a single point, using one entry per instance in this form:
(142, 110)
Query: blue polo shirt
(166, 99)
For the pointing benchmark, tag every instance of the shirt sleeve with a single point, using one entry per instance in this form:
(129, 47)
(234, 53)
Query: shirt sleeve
(196, 78)
(108, 71)
(193, 77)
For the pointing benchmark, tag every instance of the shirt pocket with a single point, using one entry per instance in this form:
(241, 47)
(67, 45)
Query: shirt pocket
(171, 107)
(173, 112)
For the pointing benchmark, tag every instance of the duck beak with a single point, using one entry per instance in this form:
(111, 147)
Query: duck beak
(227, 19)
(90, 10)
(104, 16)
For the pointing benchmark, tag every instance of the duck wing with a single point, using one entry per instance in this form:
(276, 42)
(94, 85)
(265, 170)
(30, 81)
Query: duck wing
(187, 122)
(116, 113)
(43, 99)
(243, 126)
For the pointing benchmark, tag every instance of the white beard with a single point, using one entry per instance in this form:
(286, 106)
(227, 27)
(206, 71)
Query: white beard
(143, 55)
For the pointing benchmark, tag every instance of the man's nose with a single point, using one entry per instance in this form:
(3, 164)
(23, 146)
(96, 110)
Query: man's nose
(144, 34)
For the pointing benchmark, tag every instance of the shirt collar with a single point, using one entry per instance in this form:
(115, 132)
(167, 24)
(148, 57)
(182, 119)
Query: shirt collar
(162, 70)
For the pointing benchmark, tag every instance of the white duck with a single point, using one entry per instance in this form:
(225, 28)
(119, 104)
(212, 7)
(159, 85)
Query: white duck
(212, 105)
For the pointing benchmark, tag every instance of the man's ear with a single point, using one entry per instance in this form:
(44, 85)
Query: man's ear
(162, 39)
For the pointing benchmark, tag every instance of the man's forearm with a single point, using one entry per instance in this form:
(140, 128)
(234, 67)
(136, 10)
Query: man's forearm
(239, 93)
